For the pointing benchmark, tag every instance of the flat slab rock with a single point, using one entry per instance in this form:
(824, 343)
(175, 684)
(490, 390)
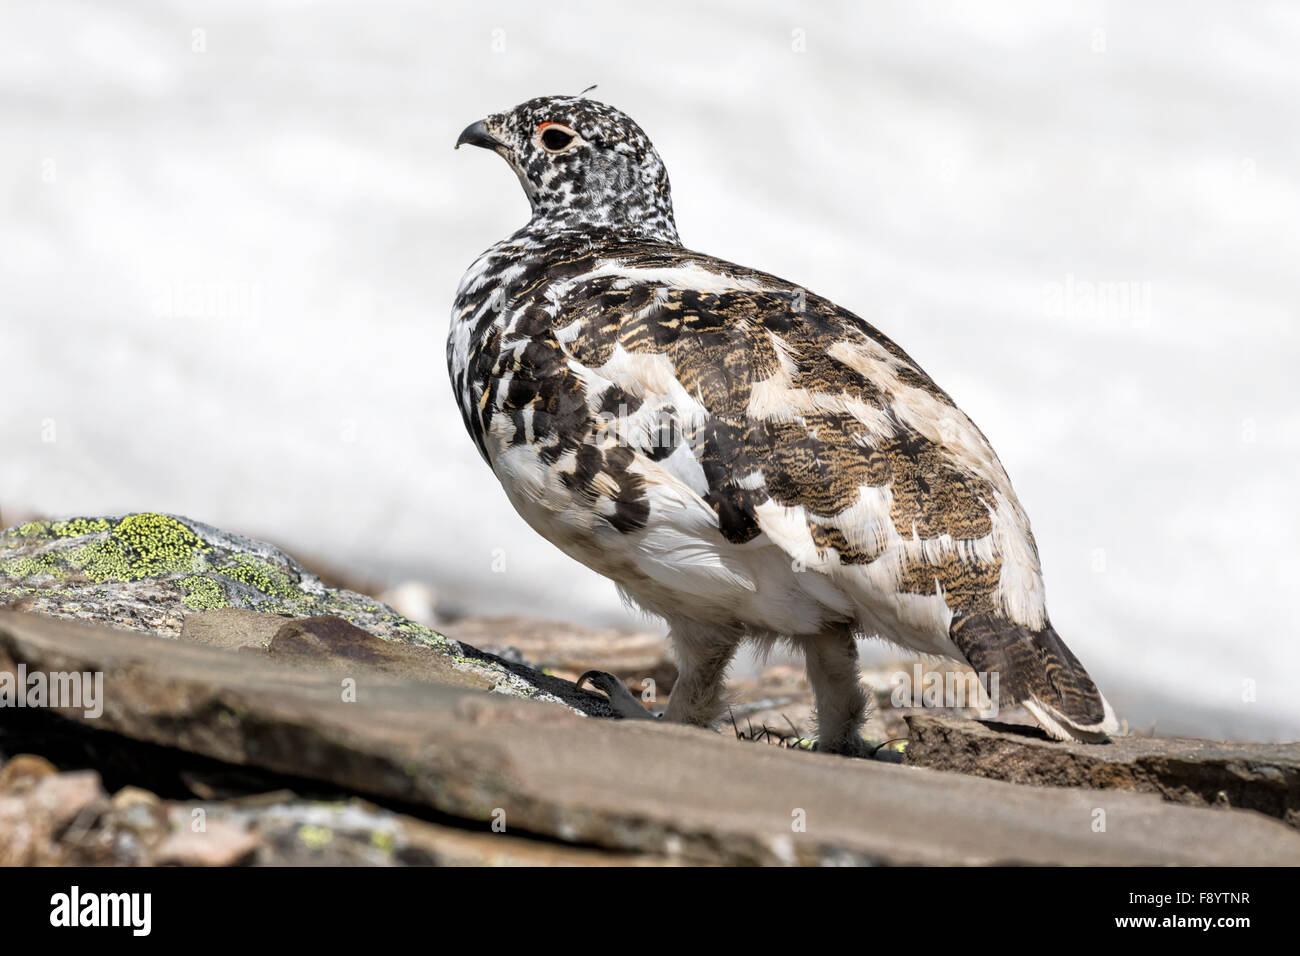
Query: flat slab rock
(1262, 777)
(635, 787)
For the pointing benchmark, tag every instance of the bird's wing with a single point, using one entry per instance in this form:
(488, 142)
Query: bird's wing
(799, 425)
(690, 425)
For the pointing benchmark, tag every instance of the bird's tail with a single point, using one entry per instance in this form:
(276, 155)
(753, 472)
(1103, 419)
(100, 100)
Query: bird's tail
(1036, 669)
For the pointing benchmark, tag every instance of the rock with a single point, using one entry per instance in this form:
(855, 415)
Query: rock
(134, 826)
(23, 772)
(218, 844)
(622, 787)
(1262, 777)
(63, 797)
(333, 643)
(231, 627)
(45, 823)
(153, 572)
(24, 839)
(294, 831)
(568, 650)
(270, 829)
(427, 844)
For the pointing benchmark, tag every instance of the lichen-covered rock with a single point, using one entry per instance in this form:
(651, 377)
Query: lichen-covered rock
(149, 572)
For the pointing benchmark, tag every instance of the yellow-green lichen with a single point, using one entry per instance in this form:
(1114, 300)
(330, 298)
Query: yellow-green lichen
(76, 527)
(314, 837)
(202, 594)
(139, 546)
(411, 629)
(72, 528)
(231, 717)
(263, 577)
(383, 840)
(45, 564)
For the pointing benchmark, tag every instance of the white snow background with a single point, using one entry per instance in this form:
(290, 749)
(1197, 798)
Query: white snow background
(227, 259)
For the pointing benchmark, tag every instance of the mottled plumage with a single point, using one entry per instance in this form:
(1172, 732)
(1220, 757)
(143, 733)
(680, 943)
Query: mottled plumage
(743, 457)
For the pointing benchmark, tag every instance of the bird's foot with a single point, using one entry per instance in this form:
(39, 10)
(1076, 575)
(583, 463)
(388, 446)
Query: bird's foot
(847, 746)
(890, 751)
(622, 700)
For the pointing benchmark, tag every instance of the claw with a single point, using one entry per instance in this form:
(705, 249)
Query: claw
(622, 701)
(891, 751)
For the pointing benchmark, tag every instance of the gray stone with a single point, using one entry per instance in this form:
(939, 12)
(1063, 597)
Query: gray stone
(218, 843)
(232, 628)
(334, 644)
(639, 787)
(1205, 773)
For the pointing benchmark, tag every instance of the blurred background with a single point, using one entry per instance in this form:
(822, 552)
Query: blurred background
(230, 235)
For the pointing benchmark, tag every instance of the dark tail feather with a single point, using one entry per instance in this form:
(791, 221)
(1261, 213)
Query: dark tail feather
(1036, 669)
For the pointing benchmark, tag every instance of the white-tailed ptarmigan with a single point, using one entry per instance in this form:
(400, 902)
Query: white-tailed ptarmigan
(742, 457)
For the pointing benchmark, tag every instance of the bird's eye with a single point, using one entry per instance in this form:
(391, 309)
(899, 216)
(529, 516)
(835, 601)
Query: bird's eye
(557, 138)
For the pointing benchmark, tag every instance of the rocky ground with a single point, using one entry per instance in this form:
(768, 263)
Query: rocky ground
(252, 714)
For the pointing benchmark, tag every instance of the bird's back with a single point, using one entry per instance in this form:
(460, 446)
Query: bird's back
(630, 374)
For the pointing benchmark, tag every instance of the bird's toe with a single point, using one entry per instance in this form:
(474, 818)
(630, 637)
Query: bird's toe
(621, 700)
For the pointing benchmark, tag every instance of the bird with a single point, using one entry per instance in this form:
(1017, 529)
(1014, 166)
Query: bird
(744, 458)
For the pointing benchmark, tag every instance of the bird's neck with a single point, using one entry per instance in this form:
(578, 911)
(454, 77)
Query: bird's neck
(641, 215)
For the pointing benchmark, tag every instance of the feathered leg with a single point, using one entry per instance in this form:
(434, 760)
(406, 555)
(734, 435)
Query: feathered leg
(703, 655)
(832, 664)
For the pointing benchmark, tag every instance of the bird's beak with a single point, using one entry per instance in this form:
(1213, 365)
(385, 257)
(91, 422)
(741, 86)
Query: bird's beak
(476, 134)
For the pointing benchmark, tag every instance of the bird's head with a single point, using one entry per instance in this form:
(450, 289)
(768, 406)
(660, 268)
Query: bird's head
(584, 166)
